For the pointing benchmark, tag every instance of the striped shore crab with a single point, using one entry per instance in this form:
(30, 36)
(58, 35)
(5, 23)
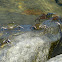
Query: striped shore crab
(38, 26)
(11, 26)
(51, 16)
(4, 42)
(44, 16)
(55, 18)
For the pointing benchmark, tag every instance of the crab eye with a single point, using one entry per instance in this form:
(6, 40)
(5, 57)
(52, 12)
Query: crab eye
(8, 40)
(33, 28)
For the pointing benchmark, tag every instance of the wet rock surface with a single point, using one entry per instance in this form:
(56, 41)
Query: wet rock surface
(31, 45)
(26, 48)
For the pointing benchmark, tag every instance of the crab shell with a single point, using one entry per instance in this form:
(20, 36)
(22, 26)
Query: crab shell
(55, 18)
(43, 16)
(39, 26)
(11, 27)
(36, 26)
(55, 15)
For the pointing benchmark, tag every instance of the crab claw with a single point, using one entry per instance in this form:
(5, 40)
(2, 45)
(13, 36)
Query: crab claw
(45, 26)
(20, 26)
(7, 41)
(3, 28)
(58, 23)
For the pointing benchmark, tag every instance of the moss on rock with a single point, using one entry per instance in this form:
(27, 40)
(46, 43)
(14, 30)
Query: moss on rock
(53, 46)
(55, 49)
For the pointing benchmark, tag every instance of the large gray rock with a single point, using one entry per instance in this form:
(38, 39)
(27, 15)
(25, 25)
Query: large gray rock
(26, 48)
(31, 46)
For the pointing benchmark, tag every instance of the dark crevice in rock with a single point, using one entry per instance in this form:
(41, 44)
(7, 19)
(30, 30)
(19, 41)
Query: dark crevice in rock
(57, 1)
(52, 48)
(55, 49)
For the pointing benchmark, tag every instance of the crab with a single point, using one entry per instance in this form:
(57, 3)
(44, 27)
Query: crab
(2, 43)
(45, 16)
(55, 18)
(38, 26)
(11, 26)
(49, 15)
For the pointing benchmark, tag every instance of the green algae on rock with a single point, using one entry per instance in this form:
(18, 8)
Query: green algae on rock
(52, 47)
(57, 58)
